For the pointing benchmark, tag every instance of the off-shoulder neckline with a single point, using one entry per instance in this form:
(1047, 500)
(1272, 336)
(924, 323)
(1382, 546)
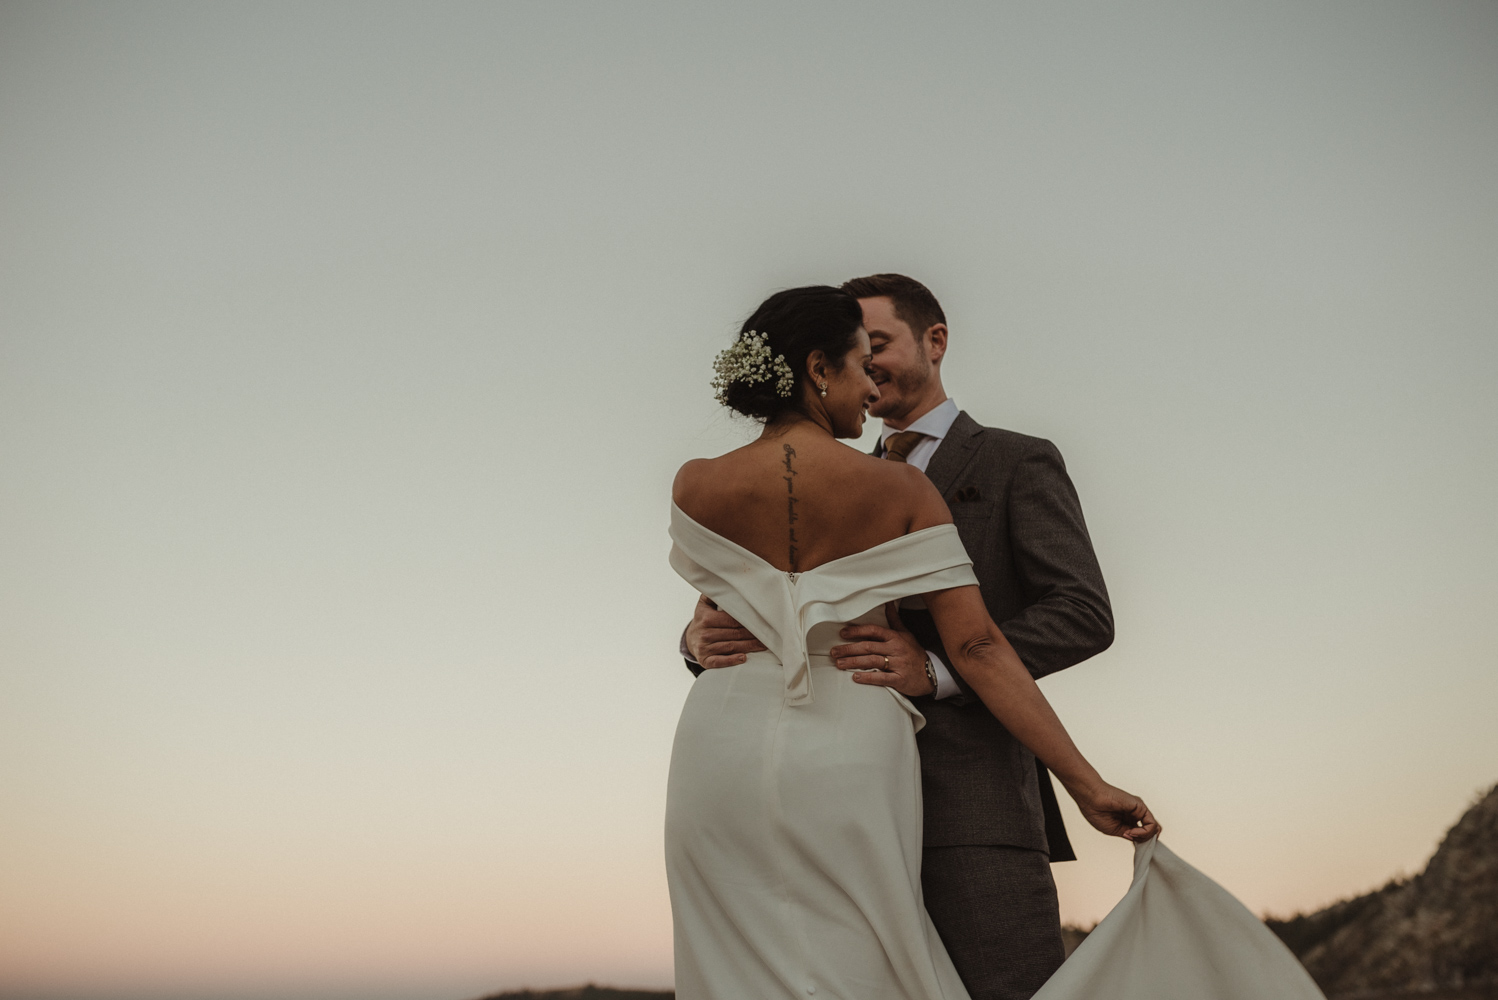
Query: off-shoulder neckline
(831, 562)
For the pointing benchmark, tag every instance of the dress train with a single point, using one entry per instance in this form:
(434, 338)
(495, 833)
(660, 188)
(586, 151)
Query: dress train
(1177, 935)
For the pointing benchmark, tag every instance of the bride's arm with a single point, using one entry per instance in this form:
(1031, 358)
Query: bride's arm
(984, 658)
(991, 667)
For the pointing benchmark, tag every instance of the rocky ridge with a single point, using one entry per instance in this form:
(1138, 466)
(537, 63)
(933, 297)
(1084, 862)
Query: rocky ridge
(1436, 933)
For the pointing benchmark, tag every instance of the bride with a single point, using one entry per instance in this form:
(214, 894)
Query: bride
(793, 828)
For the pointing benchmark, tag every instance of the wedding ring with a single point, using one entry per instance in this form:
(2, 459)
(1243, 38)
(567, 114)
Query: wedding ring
(886, 664)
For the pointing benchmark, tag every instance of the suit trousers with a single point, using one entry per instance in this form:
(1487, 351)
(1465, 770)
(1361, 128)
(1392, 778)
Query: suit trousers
(996, 911)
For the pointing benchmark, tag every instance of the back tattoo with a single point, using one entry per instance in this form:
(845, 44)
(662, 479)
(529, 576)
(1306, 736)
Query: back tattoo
(790, 503)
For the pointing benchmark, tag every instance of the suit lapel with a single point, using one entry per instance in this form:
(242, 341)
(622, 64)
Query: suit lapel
(954, 453)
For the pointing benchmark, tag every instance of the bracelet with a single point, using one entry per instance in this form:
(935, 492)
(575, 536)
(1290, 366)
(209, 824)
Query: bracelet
(931, 674)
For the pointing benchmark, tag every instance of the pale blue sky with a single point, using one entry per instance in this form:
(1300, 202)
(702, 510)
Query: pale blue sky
(347, 351)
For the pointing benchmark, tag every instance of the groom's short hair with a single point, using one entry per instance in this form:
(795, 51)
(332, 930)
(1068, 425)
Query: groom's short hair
(913, 301)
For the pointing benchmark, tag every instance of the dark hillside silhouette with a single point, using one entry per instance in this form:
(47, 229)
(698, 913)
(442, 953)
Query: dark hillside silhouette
(1435, 935)
(588, 992)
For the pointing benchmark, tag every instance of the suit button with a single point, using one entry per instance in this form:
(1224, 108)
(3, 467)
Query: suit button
(812, 990)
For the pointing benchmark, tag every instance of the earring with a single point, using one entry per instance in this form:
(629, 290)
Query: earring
(823, 387)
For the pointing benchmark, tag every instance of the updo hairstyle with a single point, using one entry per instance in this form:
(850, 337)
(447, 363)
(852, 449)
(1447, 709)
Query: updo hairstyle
(797, 321)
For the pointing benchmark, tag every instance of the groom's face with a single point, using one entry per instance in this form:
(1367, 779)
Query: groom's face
(902, 364)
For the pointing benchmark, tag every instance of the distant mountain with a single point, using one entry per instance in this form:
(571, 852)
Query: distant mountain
(1433, 935)
(589, 992)
(1072, 935)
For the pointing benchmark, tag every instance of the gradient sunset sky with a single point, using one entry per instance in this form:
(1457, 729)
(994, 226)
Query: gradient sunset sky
(347, 352)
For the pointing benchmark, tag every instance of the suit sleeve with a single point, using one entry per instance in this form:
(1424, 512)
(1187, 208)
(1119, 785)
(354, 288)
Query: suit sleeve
(1067, 617)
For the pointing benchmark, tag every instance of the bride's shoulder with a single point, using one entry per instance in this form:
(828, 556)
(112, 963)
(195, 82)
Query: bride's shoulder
(688, 478)
(704, 474)
(895, 485)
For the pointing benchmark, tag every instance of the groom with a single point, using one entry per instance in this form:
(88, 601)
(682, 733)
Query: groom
(991, 821)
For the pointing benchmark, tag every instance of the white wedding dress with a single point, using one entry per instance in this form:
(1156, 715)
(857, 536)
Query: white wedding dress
(1177, 935)
(793, 816)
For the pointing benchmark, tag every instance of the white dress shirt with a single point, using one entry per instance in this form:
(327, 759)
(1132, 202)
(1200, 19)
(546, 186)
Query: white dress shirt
(935, 426)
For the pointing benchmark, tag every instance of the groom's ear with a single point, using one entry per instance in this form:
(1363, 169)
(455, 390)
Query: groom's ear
(936, 342)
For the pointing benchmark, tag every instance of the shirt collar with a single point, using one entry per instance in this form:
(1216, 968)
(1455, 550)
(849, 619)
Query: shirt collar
(935, 424)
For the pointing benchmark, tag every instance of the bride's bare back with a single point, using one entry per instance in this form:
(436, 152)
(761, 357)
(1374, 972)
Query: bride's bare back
(797, 498)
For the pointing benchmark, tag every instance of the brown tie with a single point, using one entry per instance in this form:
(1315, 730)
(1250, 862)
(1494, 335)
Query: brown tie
(899, 446)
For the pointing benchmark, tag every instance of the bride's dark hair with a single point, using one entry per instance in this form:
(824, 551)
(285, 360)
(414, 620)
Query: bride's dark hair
(796, 321)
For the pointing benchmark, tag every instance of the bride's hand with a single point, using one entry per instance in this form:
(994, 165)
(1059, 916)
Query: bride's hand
(1117, 813)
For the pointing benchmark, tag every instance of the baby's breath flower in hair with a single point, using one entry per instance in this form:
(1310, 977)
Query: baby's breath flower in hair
(749, 361)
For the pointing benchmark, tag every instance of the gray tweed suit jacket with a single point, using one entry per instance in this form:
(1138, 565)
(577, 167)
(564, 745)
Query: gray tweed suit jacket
(1019, 517)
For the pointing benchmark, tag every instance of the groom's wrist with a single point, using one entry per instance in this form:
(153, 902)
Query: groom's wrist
(945, 684)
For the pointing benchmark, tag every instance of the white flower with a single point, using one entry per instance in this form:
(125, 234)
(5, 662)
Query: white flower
(749, 361)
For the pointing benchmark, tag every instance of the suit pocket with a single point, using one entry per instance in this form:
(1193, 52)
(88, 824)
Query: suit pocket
(973, 512)
(978, 525)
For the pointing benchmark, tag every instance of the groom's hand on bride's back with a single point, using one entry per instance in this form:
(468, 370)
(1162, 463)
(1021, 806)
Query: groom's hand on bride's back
(889, 657)
(715, 639)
